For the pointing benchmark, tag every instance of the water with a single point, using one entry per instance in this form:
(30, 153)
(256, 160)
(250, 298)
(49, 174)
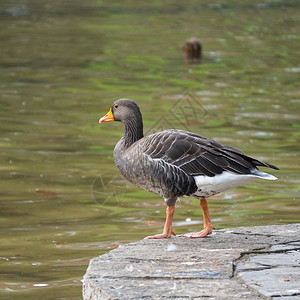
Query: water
(64, 63)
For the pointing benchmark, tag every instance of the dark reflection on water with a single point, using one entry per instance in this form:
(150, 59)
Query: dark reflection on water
(64, 63)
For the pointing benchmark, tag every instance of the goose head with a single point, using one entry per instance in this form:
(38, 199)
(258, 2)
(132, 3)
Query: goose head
(123, 110)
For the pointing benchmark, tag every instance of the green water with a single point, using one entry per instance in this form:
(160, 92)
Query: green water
(62, 64)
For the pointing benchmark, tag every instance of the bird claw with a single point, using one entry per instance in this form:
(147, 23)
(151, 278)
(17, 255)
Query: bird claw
(206, 231)
(160, 236)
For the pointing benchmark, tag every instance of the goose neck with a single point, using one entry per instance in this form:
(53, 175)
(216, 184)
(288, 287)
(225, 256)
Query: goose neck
(133, 132)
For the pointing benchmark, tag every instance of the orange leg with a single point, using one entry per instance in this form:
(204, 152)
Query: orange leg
(208, 226)
(168, 225)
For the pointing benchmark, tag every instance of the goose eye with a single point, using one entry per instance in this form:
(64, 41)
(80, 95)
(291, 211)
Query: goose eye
(116, 106)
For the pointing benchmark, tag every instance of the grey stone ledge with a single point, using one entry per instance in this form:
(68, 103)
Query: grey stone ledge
(260, 262)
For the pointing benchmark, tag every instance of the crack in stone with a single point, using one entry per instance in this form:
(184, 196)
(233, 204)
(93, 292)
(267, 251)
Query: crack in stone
(157, 277)
(256, 265)
(253, 234)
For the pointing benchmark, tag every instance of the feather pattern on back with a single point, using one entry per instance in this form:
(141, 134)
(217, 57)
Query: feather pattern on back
(197, 155)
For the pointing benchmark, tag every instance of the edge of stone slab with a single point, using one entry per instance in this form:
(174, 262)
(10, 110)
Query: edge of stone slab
(244, 241)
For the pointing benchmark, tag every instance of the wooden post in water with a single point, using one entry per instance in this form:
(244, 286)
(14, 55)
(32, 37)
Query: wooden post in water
(192, 50)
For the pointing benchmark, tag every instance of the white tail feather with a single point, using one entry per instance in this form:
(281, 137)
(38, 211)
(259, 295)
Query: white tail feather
(263, 175)
(209, 186)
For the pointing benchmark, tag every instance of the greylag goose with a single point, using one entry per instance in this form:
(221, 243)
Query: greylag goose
(176, 163)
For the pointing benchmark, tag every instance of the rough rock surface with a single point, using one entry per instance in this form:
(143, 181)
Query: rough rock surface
(238, 263)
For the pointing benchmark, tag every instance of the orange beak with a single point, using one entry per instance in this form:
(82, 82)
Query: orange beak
(107, 118)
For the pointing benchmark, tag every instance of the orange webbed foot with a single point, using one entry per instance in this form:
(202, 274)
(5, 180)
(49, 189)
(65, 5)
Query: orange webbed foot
(160, 236)
(206, 231)
(168, 231)
(208, 226)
